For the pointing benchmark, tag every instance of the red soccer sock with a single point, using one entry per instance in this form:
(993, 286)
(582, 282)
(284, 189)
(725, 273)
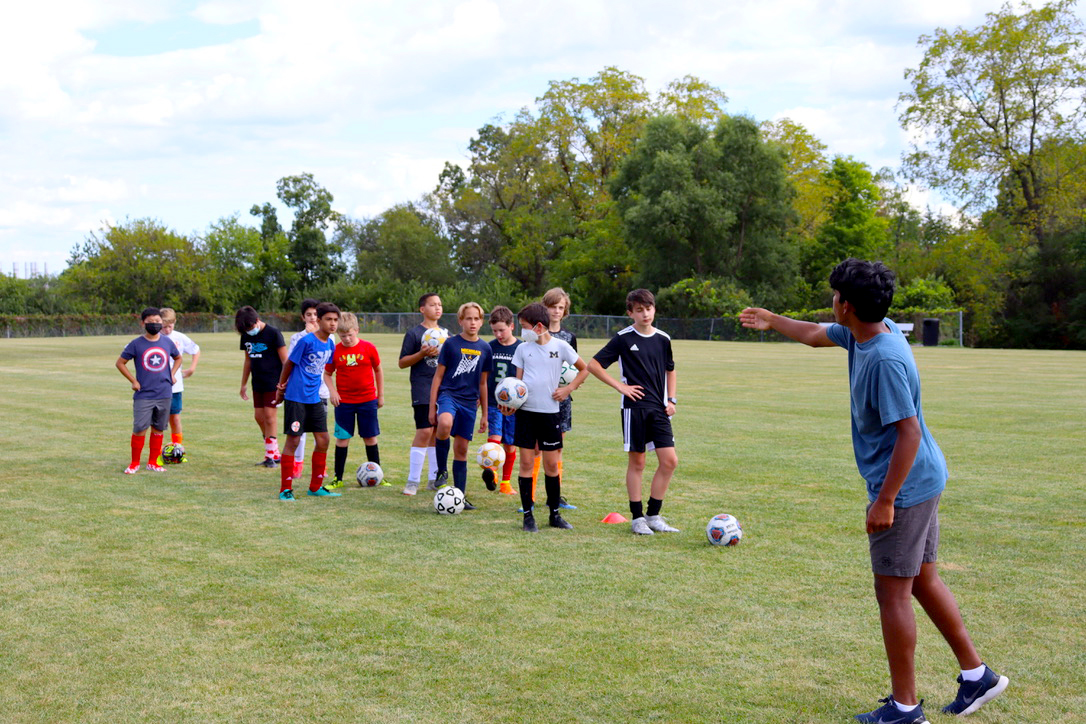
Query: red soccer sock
(137, 450)
(507, 469)
(176, 437)
(156, 448)
(286, 477)
(317, 464)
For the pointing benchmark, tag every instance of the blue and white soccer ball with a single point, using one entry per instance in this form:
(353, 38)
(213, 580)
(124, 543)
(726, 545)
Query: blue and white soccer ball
(724, 530)
(568, 374)
(449, 500)
(511, 392)
(369, 475)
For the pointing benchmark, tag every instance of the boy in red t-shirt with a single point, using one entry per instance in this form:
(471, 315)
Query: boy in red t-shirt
(356, 392)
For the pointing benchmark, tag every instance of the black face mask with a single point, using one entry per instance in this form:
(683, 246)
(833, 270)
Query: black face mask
(153, 328)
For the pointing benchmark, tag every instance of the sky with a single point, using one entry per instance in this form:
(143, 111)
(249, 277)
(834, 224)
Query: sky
(187, 111)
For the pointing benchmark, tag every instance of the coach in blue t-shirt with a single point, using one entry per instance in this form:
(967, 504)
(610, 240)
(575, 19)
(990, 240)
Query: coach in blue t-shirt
(905, 473)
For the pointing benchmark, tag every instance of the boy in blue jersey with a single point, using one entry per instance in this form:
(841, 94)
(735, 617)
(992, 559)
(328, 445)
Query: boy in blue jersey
(905, 473)
(459, 387)
(500, 427)
(303, 411)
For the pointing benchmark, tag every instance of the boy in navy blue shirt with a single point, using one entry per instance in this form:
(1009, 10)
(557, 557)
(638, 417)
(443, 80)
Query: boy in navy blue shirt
(905, 473)
(303, 411)
(152, 387)
(459, 387)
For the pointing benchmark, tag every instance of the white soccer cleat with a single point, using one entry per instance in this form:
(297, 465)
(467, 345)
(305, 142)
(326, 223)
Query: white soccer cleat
(658, 524)
(411, 488)
(640, 526)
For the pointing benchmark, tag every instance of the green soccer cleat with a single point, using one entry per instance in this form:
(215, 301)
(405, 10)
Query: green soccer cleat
(287, 494)
(322, 492)
(334, 483)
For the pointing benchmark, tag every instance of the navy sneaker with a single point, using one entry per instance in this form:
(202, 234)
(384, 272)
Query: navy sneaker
(888, 713)
(559, 522)
(529, 523)
(972, 695)
(564, 505)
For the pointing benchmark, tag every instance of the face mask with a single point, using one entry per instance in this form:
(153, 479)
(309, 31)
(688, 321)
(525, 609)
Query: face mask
(252, 332)
(153, 328)
(529, 335)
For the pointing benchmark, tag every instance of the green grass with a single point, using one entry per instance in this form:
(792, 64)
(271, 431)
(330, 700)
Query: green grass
(197, 596)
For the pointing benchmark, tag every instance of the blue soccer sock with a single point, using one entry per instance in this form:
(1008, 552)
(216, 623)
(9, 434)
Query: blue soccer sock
(442, 448)
(460, 474)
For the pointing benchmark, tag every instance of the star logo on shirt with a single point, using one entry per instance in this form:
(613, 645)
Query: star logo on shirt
(155, 359)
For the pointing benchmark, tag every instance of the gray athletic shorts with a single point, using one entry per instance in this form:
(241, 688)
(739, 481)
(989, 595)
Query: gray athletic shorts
(913, 539)
(150, 413)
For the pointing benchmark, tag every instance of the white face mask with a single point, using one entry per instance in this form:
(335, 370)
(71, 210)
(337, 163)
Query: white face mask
(252, 332)
(529, 335)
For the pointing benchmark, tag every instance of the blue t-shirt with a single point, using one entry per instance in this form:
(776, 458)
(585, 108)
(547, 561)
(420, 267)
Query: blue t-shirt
(885, 388)
(464, 362)
(309, 356)
(154, 365)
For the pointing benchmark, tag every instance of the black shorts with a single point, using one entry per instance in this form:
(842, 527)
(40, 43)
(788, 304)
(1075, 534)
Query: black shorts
(565, 414)
(537, 428)
(299, 417)
(422, 416)
(644, 429)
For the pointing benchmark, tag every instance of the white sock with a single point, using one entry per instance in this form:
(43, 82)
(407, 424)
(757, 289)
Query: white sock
(973, 674)
(431, 457)
(299, 454)
(418, 457)
(905, 708)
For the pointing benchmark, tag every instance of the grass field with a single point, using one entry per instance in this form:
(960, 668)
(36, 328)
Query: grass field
(195, 596)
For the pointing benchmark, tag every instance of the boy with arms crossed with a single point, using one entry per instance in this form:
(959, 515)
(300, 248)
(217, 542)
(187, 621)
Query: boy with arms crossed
(303, 411)
(499, 426)
(539, 363)
(648, 404)
(557, 303)
(905, 473)
(265, 353)
(356, 393)
(184, 346)
(423, 363)
(152, 387)
(458, 388)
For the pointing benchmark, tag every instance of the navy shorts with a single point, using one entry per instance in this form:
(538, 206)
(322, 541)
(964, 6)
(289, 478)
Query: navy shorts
(463, 415)
(499, 425)
(175, 404)
(366, 415)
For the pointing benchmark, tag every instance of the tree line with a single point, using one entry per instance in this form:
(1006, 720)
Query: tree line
(602, 186)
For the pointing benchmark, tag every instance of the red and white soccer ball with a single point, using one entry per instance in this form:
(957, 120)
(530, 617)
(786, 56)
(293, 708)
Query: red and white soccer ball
(449, 500)
(369, 475)
(511, 392)
(491, 455)
(724, 530)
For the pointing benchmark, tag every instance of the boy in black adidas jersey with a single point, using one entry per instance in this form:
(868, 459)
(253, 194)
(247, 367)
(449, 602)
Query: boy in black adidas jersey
(648, 403)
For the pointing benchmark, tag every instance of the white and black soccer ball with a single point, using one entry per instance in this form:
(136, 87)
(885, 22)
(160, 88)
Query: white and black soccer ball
(511, 392)
(568, 374)
(369, 475)
(724, 530)
(449, 501)
(433, 338)
(491, 455)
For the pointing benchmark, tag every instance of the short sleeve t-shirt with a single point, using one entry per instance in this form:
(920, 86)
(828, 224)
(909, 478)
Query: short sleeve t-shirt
(885, 388)
(354, 369)
(644, 360)
(262, 349)
(422, 373)
(310, 355)
(290, 348)
(542, 365)
(154, 365)
(502, 365)
(184, 346)
(465, 362)
(566, 336)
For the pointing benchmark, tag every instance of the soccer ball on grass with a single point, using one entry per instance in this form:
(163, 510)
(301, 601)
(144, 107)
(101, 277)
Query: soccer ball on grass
(173, 453)
(369, 475)
(724, 530)
(449, 501)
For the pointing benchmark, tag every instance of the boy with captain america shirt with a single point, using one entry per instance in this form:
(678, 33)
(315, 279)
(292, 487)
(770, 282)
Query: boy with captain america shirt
(459, 387)
(152, 386)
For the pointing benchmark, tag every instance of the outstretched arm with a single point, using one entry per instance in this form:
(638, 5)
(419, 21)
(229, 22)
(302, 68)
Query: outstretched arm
(811, 334)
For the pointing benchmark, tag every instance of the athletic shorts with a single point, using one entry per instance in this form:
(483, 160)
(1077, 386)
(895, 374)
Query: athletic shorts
(150, 413)
(565, 414)
(499, 425)
(175, 404)
(299, 417)
(263, 399)
(912, 540)
(364, 412)
(644, 429)
(422, 416)
(463, 415)
(538, 428)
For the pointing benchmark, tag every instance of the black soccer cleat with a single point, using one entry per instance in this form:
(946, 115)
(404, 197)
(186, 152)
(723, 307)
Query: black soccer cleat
(557, 521)
(468, 506)
(529, 523)
(488, 478)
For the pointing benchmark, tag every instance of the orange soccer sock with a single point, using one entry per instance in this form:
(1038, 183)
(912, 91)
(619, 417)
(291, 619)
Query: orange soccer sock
(137, 450)
(176, 437)
(559, 469)
(156, 448)
(317, 466)
(535, 473)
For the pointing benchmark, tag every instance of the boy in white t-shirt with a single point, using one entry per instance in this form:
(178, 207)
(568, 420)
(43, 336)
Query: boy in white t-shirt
(184, 346)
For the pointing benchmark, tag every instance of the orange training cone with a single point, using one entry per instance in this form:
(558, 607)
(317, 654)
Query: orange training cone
(614, 518)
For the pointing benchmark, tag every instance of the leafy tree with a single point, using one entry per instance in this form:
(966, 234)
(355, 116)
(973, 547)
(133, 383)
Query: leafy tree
(696, 297)
(399, 245)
